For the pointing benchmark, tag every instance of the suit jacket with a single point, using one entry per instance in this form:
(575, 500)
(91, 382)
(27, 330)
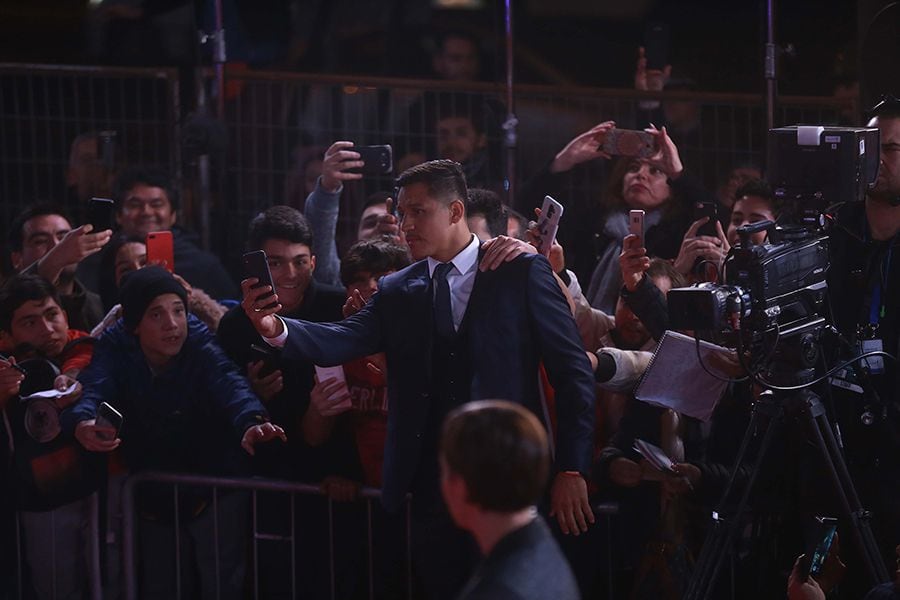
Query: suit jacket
(526, 564)
(517, 317)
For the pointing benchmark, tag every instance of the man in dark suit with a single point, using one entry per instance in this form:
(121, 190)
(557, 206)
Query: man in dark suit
(454, 333)
(485, 446)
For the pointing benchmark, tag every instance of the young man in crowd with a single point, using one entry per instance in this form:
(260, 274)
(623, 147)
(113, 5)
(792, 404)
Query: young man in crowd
(41, 240)
(486, 214)
(147, 200)
(284, 385)
(495, 461)
(53, 477)
(185, 408)
(452, 333)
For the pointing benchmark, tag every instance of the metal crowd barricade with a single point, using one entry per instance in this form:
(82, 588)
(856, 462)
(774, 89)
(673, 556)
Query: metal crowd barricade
(254, 486)
(43, 108)
(92, 580)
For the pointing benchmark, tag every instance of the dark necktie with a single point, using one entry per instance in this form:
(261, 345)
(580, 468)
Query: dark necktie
(443, 312)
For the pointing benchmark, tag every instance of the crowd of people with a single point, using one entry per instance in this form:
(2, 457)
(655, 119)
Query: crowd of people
(442, 300)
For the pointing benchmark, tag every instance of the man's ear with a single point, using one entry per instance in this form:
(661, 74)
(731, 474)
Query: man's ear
(312, 263)
(457, 211)
(15, 257)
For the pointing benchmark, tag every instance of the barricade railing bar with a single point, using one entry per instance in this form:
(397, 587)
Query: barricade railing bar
(254, 486)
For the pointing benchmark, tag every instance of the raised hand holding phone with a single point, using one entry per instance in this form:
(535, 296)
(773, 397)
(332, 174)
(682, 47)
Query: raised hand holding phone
(161, 250)
(548, 224)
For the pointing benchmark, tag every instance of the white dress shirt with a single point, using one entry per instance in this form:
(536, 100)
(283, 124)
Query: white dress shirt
(461, 278)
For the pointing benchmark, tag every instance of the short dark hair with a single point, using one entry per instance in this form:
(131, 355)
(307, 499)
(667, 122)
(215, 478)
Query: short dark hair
(760, 189)
(378, 255)
(660, 267)
(15, 237)
(500, 450)
(20, 289)
(487, 204)
(444, 178)
(279, 222)
(149, 176)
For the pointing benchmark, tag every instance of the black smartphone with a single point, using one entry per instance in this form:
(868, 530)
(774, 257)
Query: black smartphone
(100, 214)
(707, 209)
(819, 545)
(379, 160)
(656, 45)
(257, 265)
(107, 416)
(268, 356)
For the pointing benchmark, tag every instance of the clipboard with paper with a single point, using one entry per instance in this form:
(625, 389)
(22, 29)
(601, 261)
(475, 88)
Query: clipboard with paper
(675, 378)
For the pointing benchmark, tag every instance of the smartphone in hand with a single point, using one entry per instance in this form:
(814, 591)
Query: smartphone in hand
(628, 142)
(636, 225)
(161, 250)
(707, 209)
(378, 160)
(108, 417)
(257, 265)
(548, 224)
(268, 356)
(819, 545)
(100, 214)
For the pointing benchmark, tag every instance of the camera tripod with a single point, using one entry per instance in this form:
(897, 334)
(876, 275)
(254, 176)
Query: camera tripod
(807, 408)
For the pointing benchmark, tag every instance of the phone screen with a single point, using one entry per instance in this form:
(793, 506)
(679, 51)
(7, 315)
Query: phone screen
(257, 265)
(100, 214)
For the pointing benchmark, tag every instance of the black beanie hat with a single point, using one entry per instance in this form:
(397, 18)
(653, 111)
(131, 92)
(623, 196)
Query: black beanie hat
(139, 289)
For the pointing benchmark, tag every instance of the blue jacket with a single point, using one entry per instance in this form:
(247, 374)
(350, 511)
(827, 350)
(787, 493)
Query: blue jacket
(518, 318)
(189, 418)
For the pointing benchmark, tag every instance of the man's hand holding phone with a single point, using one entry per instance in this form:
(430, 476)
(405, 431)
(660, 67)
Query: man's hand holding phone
(266, 385)
(338, 159)
(96, 438)
(330, 396)
(261, 305)
(77, 245)
(633, 261)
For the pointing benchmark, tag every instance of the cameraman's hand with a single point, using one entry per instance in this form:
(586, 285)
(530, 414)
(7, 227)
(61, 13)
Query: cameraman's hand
(335, 164)
(633, 261)
(583, 148)
(695, 246)
(265, 387)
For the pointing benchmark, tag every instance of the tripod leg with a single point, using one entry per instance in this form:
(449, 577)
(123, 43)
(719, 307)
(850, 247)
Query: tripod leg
(846, 492)
(720, 538)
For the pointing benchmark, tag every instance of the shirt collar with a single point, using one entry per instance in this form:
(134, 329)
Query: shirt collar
(464, 261)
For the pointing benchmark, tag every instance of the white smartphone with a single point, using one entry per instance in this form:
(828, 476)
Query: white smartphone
(548, 224)
(636, 225)
(324, 373)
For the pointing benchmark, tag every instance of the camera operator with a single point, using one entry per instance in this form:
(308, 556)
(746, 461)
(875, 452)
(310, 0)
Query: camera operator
(864, 294)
